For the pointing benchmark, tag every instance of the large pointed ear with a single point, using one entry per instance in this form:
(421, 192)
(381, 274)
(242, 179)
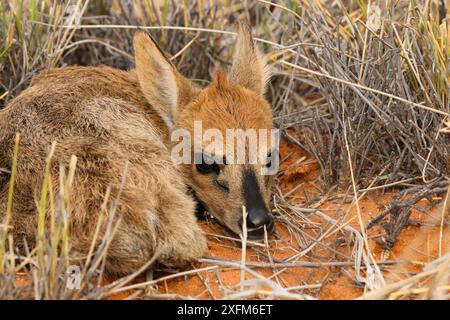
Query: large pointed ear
(249, 67)
(162, 85)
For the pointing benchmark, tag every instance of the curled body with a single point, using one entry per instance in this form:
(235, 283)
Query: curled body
(105, 124)
(111, 119)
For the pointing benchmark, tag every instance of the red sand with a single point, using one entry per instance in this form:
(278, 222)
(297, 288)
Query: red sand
(416, 244)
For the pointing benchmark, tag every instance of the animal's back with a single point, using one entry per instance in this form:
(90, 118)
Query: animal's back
(94, 113)
(59, 96)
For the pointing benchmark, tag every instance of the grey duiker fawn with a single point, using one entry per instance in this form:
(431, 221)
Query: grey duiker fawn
(108, 118)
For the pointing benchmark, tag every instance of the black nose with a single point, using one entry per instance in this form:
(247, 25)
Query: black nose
(257, 214)
(258, 217)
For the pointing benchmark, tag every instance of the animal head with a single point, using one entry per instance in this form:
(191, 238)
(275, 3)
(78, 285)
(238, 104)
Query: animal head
(222, 172)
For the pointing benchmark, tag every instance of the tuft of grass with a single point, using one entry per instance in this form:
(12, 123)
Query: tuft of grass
(5, 225)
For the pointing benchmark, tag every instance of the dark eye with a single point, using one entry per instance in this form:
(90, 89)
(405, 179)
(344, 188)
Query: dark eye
(208, 166)
(269, 160)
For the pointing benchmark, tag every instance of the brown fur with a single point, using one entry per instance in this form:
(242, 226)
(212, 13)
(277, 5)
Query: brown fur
(106, 118)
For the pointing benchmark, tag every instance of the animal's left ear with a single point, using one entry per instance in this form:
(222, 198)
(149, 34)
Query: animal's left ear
(249, 67)
(161, 83)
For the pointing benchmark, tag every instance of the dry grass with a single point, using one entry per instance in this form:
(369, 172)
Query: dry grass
(367, 90)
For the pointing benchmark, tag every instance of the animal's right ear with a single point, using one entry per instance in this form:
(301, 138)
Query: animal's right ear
(162, 85)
